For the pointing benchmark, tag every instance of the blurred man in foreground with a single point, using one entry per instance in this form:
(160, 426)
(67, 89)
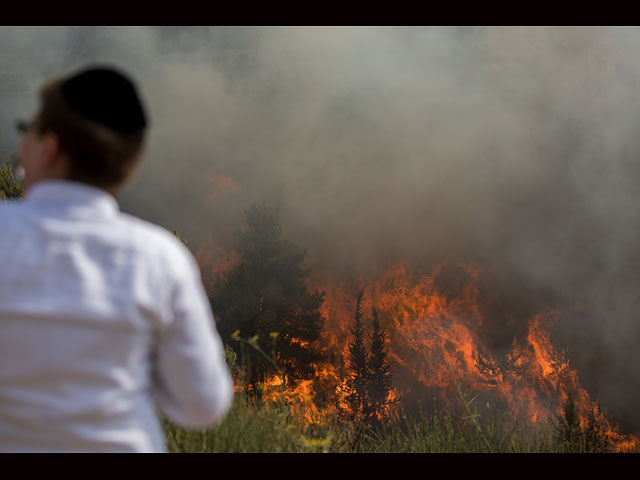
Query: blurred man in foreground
(103, 317)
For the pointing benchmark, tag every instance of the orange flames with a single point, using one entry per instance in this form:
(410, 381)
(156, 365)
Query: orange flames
(221, 186)
(435, 345)
(214, 262)
(437, 339)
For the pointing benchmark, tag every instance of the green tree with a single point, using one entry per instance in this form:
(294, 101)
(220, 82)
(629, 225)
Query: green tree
(10, 187)
(379, 385)
(265, 293)
(357, 382)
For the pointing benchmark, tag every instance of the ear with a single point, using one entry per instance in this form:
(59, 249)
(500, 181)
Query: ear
(50, 149)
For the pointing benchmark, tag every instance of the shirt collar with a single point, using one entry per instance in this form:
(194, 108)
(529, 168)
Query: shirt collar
(71, 197)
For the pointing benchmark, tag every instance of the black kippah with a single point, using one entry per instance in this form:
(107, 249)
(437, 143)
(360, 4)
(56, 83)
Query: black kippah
(107, 97)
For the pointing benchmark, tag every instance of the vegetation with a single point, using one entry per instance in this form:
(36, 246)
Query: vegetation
(368, 381)
(275, 427)
(10, 187)
(595, 437)
(255, 425)
(357, 397)
(379, 385)
(180, 237)
(568, 432)
(264, 297)
(573, 437)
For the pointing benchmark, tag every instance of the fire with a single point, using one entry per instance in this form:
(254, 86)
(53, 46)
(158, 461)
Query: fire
(221, 186)
(302, 396)
(214, 262)
(436, 338)
(435, 345)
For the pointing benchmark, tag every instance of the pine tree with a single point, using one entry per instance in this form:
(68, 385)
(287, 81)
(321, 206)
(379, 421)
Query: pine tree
(357, 383)
(265, 294)
(379, 384)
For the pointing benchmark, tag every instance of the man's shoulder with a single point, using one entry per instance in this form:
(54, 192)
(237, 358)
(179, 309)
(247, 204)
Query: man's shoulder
(153, 238)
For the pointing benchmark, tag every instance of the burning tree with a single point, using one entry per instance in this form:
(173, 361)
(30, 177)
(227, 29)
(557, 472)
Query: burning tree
(357, 382)
(379, 386)
(569, 433)
(265, 294)
(584, 433)
(368, 383)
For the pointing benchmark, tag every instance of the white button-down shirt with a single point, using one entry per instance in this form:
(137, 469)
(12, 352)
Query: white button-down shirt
(103, 318)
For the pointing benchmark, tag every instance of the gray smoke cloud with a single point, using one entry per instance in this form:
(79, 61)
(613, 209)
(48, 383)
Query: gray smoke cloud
(514, 148)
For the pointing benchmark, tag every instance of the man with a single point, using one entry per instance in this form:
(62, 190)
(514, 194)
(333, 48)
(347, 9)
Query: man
(103, 317)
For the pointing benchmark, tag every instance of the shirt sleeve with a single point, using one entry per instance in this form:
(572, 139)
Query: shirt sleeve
(194, 387)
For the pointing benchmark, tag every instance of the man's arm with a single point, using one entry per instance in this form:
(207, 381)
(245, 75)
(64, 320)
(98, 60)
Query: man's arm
(195, 387)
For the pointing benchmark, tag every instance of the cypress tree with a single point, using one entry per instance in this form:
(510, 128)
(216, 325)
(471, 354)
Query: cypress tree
(357, 397)
(380, 375)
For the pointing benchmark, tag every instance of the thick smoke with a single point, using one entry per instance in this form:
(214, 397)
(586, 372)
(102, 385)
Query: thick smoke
(513, 148)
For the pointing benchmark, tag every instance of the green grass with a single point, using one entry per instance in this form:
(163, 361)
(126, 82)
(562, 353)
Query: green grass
(250, 428)
(274, 428)
(268, 427)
